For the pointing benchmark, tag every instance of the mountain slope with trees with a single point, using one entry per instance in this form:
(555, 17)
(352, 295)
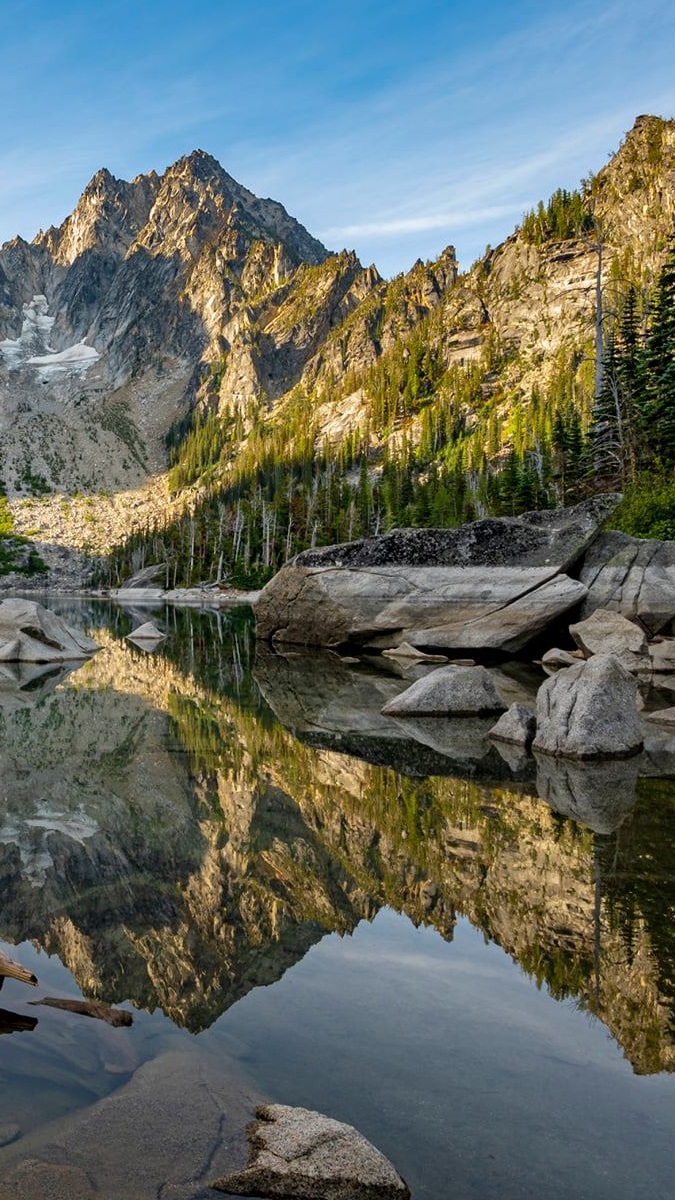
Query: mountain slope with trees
(280, 396)
(542, 374)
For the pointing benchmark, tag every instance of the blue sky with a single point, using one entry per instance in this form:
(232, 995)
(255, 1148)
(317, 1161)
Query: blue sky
(392, 128)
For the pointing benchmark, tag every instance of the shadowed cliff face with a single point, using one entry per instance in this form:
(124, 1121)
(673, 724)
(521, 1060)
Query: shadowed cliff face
(176, 845)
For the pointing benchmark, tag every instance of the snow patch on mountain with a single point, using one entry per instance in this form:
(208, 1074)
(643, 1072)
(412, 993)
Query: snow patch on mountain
(32, 348)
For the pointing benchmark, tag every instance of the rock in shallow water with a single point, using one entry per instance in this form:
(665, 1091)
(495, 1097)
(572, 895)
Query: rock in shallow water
(607, 632)
(449, 691)
(517, 725)
(589, 711)
(297, 1153)
(31, 633)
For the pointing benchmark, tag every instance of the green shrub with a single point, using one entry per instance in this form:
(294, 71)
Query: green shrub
(648, 508)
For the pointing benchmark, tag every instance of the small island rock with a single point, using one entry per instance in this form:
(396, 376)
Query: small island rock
(589, 711)
(448, 692)
(148, 632)
(517, 725)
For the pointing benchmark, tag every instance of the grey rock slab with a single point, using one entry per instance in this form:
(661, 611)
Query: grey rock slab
(448, 691)
(632, 576)
(517, 725)
(147, 577)
(491, 584)
(35, 634)
(305, 1155)
(441, 607)
(589, 711)
(608, 632)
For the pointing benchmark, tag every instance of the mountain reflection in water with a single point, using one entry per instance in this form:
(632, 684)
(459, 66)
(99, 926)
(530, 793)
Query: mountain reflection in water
(180, 828)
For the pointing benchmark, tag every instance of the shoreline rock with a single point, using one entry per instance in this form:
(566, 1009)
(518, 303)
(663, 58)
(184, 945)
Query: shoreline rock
(31, 633)
(491, 584)
(295, 1152)
(517, 726)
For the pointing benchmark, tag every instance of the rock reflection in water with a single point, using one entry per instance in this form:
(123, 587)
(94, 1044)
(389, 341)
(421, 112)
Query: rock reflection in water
(177, 845)
(598, 794)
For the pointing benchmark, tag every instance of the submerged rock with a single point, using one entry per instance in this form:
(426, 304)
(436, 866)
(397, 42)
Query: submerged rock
(31, 633)
(517, 725)
(589, 711)
(449, 691)
(305, 1155)
(494, 583)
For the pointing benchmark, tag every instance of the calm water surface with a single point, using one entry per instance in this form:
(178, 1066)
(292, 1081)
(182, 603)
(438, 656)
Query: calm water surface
(383, 922)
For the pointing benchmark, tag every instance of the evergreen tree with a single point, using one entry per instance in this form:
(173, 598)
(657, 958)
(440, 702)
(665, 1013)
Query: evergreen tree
(658, 405)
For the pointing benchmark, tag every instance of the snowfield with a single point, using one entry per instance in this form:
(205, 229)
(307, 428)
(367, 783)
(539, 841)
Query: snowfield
(32, 348)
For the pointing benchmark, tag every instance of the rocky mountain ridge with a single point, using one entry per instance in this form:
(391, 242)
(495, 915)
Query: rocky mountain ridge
(104, 320)
(185, 292)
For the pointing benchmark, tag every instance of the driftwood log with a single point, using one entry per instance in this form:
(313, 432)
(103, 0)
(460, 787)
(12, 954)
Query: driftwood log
(90, 1008)
(13, 970)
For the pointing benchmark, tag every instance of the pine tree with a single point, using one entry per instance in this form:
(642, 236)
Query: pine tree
(658, 408)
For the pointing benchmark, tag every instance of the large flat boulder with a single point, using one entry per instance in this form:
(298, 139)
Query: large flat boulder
(31, 633)
(589, 711)
(491, 584)
(632, 576)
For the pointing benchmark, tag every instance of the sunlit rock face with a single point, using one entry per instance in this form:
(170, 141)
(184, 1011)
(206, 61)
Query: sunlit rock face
(105, 320)
(176, 845)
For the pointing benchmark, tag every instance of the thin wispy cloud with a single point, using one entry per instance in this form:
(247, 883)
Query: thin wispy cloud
(450, 220)
(393, 135)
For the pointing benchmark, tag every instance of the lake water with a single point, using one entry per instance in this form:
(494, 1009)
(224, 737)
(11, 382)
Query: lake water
(383, 922)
